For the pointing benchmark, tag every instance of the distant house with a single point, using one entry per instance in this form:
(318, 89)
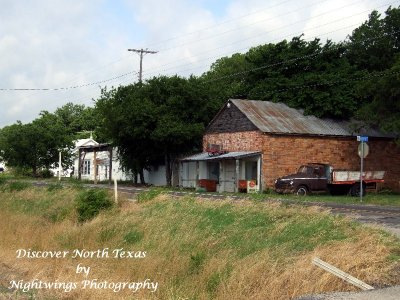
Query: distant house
(255, 142)
(93, 159)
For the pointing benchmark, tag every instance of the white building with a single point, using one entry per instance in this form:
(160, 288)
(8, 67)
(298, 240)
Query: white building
(95, 164)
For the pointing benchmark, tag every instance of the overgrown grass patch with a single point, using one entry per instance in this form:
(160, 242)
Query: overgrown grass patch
(18, 186)
(148, 195)
(198, 249)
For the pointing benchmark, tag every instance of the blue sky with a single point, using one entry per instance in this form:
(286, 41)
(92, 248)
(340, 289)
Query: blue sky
(63, 43)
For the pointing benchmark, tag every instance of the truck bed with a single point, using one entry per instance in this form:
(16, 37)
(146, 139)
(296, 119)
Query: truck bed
(353, 176)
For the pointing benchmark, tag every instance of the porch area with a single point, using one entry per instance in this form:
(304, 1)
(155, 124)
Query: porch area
(226, 172)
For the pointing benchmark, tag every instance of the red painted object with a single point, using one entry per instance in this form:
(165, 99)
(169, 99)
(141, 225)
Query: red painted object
(208, 184)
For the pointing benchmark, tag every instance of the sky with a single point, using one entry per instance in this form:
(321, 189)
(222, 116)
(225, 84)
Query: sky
(73, 48)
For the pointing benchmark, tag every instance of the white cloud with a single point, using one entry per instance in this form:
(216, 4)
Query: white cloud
(61, 43)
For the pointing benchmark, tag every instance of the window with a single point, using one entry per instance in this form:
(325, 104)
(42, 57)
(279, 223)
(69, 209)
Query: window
(86, 167)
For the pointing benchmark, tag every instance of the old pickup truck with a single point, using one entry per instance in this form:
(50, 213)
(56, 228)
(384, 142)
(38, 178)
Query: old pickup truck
(315, 177)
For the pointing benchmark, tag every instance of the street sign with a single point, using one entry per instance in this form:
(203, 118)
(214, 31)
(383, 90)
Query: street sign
(363, 150)
(361, 138)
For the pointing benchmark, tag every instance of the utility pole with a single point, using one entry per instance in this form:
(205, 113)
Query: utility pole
(141, 53)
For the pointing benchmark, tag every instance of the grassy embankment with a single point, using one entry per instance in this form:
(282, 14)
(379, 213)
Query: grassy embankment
(196, 249)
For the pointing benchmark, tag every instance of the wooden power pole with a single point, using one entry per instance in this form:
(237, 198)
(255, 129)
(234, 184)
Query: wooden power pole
(141, 53)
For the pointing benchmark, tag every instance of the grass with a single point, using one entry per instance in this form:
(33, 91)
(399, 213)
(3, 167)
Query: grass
(384, 197)
(196, 249)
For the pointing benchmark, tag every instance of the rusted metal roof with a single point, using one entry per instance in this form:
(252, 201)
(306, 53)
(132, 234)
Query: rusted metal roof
(230, 155)
(278, 118)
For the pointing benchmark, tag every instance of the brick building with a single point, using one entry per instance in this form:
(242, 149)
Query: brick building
(261, 141)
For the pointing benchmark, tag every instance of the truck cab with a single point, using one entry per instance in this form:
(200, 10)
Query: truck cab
(309, 177)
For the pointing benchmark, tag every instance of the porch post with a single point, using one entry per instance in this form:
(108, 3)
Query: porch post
(95, 165)
(237, 175)
(259, 177)
(197, 174)
(221, 179)
(181, 174)
(80, 164)
(110, 165)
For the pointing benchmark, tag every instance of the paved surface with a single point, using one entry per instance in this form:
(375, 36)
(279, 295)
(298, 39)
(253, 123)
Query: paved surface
(392, 293)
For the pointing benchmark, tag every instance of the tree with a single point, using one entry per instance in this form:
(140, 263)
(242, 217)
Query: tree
(77, 119)
(159, 119)
(383, 93)
(304, 75)
(373, 46)
(126, 119)
(225, 78)
(35, 145)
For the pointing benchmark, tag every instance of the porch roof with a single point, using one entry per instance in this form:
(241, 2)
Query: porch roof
(230, 155)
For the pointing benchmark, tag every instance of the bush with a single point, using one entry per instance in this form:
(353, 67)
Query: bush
(3, 180)
(21, 172)
(90, 202)
(18, 186)
(45, 173)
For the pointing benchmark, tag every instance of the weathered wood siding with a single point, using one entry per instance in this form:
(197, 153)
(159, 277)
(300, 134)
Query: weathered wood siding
(230, 120)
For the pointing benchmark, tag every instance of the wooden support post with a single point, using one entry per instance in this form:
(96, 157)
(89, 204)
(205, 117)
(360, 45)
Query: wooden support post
(259, 173)
(110, 166)
(197, 174)
(237, 175)
(339, 273)
(221, 177)
(95, 165)
(115, 190)
(80, 164)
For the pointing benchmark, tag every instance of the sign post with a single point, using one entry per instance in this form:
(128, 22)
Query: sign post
(363, 151)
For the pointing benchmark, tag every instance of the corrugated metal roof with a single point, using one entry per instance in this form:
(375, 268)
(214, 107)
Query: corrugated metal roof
(279, 118)
(230, 155)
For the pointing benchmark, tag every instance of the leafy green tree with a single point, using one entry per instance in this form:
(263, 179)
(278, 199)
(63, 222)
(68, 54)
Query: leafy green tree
(157, 120)
(127, 120)
(373, 46)
(383, 95)
(35, 145)
(225, 78)
(306, 75)
(77, 119)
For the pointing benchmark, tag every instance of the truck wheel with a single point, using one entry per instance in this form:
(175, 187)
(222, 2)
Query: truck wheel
(301, 191)
(355, 190)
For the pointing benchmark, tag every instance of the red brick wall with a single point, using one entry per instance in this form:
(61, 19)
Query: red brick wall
(283, 155)
(235, 141)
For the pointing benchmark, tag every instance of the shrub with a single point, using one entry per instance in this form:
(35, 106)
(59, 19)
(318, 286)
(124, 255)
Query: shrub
(3, 180)
(18, 186)
(90, 202)
(45, 173)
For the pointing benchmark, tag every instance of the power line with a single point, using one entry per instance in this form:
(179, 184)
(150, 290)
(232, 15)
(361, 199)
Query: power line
(268, 19)
(67, 88)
